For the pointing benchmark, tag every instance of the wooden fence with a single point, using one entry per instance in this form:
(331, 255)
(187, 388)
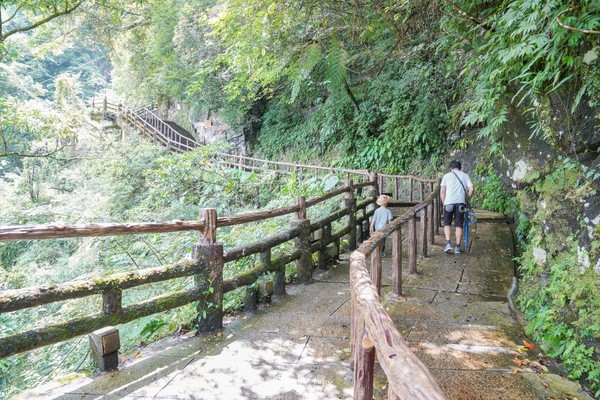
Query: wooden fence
(372, 330)
(206, 265)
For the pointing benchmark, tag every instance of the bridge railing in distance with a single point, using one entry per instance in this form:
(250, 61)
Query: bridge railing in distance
(372, 330)
(147, 122)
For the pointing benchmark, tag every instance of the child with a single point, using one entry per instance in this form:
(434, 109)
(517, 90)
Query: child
(381, 218)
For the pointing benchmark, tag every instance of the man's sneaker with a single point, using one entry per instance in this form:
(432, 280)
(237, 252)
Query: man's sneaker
(448, 248)
(457, 250)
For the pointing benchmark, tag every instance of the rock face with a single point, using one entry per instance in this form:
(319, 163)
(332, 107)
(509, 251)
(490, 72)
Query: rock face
(555, 175)
(211, 130)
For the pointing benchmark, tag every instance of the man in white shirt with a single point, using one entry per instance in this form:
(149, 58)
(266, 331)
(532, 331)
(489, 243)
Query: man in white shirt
(456, 190)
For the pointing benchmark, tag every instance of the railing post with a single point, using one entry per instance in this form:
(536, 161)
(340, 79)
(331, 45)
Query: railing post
(350, 204)
(104, 107)
(279, 275)
(396, 189)
(430, 223)
(364, 362)
(376, 188)
(410, 189)
(412, 245)
(209, 279)
(397, 262)
(323, 243)
(112, 301)
(302, 243)
(376, 268)
(436, 217)
(421, 191)
(423, 232)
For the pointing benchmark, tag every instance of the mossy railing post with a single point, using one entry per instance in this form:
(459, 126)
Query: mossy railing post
(410, 189)
(209, 279)
(423, 232)
(363, 353)
(430, 224)
(350, 204)
(105, 107)
(397, 262)
(412, 245)
(302, 243)
(436, 217)
(112, 301)
(323, 243)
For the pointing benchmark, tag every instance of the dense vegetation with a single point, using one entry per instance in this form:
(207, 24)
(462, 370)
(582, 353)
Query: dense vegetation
(385, 85)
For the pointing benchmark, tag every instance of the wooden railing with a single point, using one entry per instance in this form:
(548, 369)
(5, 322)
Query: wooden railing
(206, 265)
(372, 330)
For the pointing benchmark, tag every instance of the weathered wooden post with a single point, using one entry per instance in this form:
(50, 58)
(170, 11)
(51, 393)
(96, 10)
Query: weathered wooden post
(323, 242)
(376, 268)
(302, 243)
(278, 275)
(364, 360)
(412, 245)
(104, 108)
(421, 191)
(410, 189)
(430, 223)
(350, 204)
(397, 262)
(423, 232)
(436, 217)
(396, 189)
(209, 279)
(112, 301)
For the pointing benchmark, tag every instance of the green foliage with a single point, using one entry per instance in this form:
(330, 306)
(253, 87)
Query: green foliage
(492, 194)
(518, 50)
(558, 295)
(564, 314)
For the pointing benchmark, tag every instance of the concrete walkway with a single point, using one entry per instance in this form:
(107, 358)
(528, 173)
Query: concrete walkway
(455, 317)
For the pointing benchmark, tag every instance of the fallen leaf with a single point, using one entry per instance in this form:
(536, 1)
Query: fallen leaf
(410, 310)
(528, 345)
(516, 371)
(518, 361)
(138, 354)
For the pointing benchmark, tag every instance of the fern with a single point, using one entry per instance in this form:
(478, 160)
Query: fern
(335, 72)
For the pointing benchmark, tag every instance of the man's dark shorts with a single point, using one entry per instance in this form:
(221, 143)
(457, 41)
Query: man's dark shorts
(459, 217)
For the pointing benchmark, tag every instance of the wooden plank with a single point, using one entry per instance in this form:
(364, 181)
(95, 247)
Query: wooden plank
(57, 231)
(18, 299)
(257, 216)
(35, 338)
(263, 245)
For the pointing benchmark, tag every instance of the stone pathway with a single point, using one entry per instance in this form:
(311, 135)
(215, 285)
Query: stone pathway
(455, 317)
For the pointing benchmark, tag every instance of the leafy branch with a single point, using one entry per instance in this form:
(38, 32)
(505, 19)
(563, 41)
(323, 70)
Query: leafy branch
(55, 14)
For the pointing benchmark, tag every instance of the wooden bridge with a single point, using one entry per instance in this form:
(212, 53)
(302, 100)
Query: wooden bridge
(373, 332)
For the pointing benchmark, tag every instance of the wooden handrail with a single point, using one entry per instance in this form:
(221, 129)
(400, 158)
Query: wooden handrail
(373, 331)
